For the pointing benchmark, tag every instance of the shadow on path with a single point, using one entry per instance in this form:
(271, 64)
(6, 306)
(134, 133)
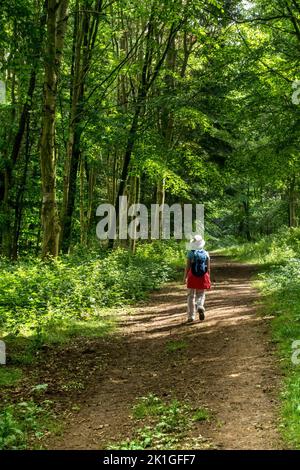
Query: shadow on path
(227, 365)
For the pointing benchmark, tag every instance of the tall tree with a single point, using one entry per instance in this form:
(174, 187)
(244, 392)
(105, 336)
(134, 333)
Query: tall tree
(56, 27)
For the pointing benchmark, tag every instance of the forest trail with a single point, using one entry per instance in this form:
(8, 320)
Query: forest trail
(228, 366)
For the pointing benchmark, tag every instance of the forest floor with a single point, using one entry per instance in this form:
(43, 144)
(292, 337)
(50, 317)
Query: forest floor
(226, 364)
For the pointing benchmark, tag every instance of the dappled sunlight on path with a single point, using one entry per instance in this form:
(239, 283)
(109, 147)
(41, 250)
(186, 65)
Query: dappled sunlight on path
(226, 364)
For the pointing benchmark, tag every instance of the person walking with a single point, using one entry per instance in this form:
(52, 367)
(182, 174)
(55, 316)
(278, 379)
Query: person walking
(197, 278)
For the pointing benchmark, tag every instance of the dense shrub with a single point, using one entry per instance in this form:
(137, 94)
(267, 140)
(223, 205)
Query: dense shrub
(272, 249)
(33, 293)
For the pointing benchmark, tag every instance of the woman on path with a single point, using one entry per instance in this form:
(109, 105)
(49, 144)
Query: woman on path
(197, 278)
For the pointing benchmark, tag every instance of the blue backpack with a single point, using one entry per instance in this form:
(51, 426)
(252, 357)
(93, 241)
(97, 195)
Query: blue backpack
(199, 263)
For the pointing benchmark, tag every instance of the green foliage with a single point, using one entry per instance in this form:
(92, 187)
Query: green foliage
(9, 376)
(170, 423)
(167, 424)
(217, 124)
(39, 389)
(150, 405)
(201, 415)
(21, 422)
(280, 286)
(273, 249)
(173, 346)
(69, 295)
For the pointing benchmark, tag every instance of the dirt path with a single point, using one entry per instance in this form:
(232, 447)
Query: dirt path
(228, 366)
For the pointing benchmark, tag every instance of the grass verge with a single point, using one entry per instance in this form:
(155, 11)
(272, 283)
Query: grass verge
(25, 422)
(279, 284)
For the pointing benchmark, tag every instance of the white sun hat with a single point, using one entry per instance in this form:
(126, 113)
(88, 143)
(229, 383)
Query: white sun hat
(197, 243)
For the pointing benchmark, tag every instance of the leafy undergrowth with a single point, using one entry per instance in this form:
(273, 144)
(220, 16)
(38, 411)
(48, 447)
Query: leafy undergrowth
(65, 303)
(71, 295)
(268, 250)
(9, 376)
(25, 422)
(78, 296)
(166, 425)
(280, 288)
(177, 345)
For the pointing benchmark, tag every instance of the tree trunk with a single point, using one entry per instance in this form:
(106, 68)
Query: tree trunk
(20, 197)
(91, 177)
(293, 204)
(84, 38)
(56, 27)
(147, 80)
(6, 176)
(83, 224)
(136, 195)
